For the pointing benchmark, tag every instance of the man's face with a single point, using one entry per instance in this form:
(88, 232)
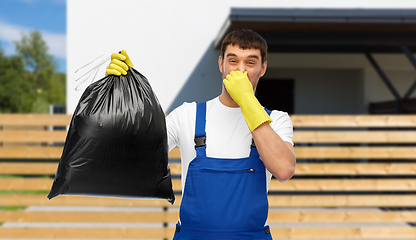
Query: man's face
(236, 58)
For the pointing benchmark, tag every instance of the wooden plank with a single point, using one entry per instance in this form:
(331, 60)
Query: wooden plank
(301, 152)
(25, 184)
(33, 152)
(23, 168)
(301, 168)
(36, 168)
(90, 216)
(25, 136)
(42, 200)
(46, 184)
(175, 153)
(16, 136)
(275, 216)
(87, 232)
(353, 120)
(348, 216)
(310, 200)
(362, 200)
(355, 169)
(297, 120)
(35, 119)
(160, 233)
(356, 152)
(354, 137)
(344, 233)
(321, 185)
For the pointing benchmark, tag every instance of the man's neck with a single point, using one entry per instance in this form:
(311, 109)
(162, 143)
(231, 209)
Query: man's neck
(226, 99)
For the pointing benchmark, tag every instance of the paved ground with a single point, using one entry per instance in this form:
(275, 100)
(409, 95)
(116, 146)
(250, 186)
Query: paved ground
(135, 225)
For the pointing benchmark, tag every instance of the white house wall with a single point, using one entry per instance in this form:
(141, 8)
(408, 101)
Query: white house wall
(170, 42)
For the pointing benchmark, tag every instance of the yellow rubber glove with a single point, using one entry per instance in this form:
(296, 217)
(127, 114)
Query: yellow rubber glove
(118, 64)
(241, 91)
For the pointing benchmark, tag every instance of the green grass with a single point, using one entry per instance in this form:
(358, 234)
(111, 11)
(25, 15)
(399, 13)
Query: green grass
(2, 176)
(24, 192)
(12, 208)
(9, 177)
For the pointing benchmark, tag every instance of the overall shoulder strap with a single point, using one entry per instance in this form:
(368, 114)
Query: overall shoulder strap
(268, 111)
(200, 137)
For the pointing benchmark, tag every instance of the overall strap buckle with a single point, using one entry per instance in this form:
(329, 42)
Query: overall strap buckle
(200, 141)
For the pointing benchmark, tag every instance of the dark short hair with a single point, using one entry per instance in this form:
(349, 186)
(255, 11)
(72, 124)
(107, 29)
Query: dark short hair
(245, 38)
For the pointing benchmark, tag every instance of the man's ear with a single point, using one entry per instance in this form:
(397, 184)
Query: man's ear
(263, 69)
(220, 63)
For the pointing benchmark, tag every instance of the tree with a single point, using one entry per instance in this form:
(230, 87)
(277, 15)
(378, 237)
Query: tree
(57, 89)
(47, 87)
(28, 81)
(34, 51)
(16, 93)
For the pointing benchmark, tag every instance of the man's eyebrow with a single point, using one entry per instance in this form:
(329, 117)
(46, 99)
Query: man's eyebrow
(231, 55)
(253, 56)
(249, 56)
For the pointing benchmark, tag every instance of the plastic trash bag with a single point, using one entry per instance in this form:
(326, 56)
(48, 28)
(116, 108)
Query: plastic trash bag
(117, 143)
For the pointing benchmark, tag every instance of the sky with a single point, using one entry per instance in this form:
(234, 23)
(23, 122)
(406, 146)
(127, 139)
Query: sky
(25, 16)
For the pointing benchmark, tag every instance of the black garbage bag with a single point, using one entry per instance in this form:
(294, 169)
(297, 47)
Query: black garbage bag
(117, 143)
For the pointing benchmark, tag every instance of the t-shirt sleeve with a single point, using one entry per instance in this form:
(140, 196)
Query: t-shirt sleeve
(173, 125)
(282, 125)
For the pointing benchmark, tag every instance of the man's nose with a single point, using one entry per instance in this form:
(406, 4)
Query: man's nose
(241, 67)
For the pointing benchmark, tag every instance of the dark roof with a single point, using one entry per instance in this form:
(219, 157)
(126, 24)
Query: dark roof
(326, 30)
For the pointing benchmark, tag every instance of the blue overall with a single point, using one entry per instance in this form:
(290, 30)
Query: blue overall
(223, 198)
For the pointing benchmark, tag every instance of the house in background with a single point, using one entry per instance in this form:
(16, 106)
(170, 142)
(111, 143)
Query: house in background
(332, 61)
(346, 60)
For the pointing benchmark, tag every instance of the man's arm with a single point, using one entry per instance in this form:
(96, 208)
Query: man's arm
(278, 156)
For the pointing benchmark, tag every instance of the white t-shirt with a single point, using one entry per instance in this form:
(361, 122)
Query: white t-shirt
(228, 135)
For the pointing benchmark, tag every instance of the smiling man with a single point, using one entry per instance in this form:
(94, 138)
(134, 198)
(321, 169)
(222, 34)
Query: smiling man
(230, 147)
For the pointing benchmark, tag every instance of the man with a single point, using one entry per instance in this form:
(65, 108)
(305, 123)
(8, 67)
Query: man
(224, 176)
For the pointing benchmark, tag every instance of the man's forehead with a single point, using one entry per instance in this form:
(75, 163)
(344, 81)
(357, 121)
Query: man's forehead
(233, 50)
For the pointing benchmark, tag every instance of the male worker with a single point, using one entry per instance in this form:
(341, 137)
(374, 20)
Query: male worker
(225, 176)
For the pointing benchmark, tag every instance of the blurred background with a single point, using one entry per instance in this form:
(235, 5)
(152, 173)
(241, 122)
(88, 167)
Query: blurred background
(345, 71)
(33, 55)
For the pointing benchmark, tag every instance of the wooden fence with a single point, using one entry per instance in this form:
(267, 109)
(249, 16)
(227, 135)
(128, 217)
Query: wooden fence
(355, 179)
